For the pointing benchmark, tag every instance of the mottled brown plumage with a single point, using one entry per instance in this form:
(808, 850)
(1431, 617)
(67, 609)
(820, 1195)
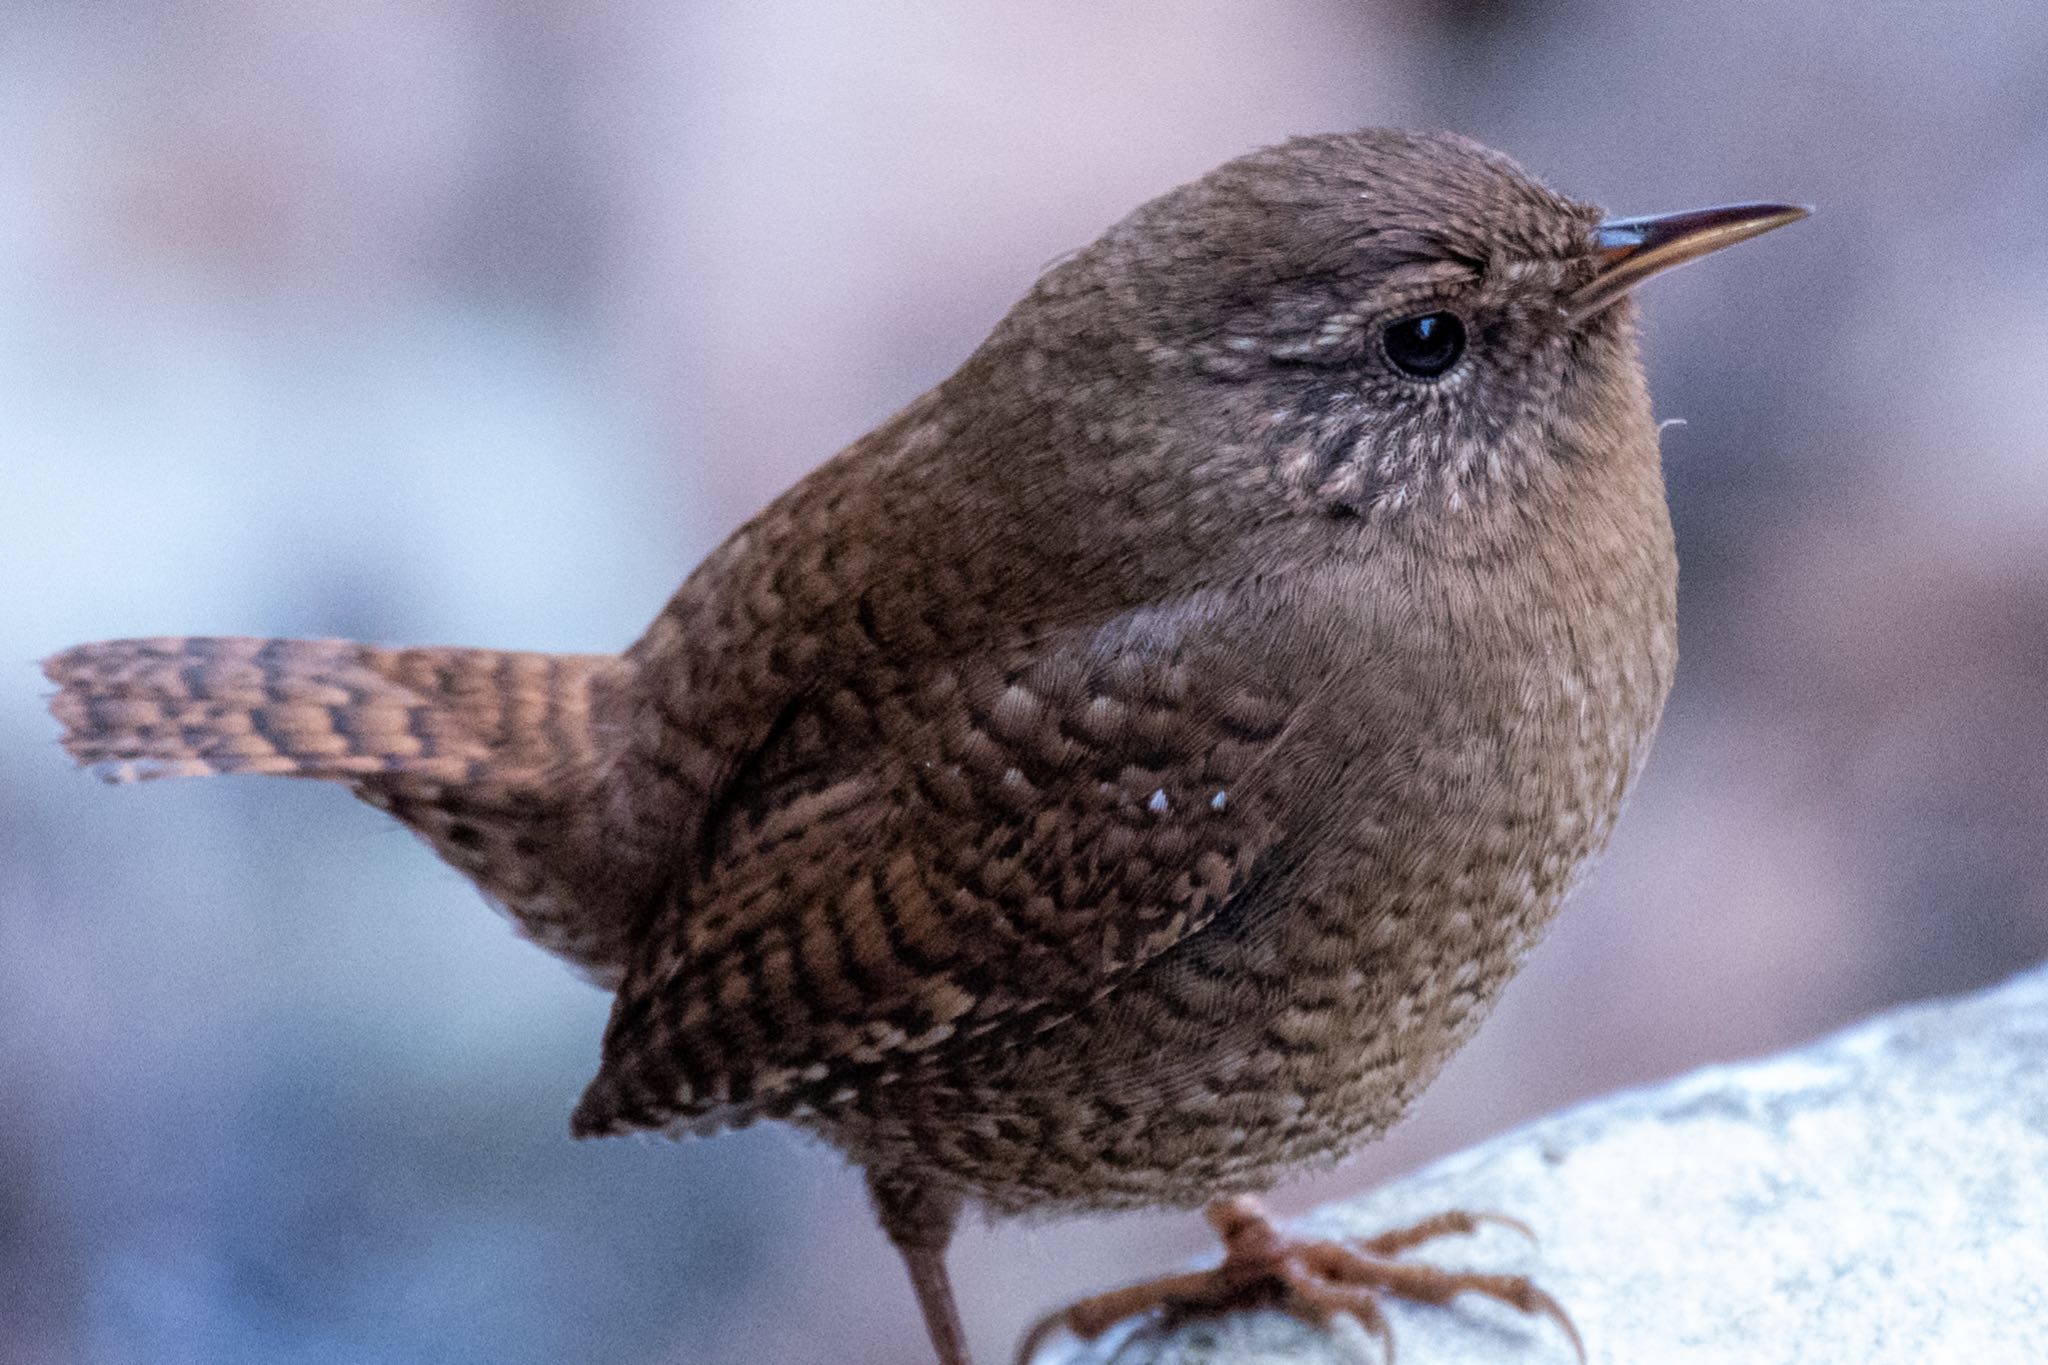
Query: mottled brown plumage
(1125, 775)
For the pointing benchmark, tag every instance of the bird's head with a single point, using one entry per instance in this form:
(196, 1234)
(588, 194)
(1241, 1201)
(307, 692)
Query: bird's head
(1377, 325)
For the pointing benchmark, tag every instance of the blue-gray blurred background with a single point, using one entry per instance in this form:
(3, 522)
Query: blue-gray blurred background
(454, 322)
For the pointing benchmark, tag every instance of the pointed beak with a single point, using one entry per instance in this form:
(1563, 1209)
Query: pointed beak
(1630, 250)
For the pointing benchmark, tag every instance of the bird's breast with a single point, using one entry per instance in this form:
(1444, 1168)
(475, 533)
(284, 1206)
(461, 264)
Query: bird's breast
(1448, 864)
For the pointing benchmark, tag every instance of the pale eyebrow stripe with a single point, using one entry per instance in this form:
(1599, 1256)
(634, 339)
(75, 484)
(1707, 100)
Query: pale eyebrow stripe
(1419, 273)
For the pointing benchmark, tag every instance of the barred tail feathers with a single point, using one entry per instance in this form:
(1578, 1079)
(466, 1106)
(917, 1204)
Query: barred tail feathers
(333, 709)
(476, 750)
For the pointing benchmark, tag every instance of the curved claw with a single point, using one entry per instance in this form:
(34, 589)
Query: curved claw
(1037, 1335)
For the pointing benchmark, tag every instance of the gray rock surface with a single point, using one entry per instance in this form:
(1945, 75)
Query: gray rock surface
(1880, 1196)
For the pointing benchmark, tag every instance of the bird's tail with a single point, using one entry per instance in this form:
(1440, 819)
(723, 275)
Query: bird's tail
(477, 750)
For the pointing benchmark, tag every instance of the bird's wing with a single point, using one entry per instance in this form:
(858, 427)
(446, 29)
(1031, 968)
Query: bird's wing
(914, 863)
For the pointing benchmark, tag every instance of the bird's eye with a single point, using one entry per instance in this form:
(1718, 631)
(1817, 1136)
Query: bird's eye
(1424, 346)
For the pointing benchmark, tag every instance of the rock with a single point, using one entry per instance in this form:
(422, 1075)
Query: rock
(1880, 1196)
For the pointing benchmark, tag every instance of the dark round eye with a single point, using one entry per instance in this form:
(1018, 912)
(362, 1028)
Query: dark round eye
(1425, 346)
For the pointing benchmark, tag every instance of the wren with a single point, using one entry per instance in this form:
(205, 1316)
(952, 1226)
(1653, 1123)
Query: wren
(1124, 776)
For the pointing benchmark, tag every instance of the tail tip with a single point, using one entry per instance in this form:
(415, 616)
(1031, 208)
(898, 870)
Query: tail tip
(119, 772)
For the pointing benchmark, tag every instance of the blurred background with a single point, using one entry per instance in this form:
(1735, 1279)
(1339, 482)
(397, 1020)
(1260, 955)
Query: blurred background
(453, 322)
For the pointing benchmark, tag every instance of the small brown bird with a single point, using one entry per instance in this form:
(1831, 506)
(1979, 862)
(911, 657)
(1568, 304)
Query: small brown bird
(1124, 776)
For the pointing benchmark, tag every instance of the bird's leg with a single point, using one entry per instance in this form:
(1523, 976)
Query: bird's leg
(919, 1221)
(1312, 1278)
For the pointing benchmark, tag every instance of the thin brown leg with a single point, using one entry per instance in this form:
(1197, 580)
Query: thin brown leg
(920, 1223)
(928, 1277)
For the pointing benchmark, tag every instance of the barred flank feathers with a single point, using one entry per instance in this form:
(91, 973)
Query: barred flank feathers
(474, 749)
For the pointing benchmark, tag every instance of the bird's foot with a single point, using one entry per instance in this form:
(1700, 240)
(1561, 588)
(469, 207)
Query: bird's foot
(1314, 1279)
